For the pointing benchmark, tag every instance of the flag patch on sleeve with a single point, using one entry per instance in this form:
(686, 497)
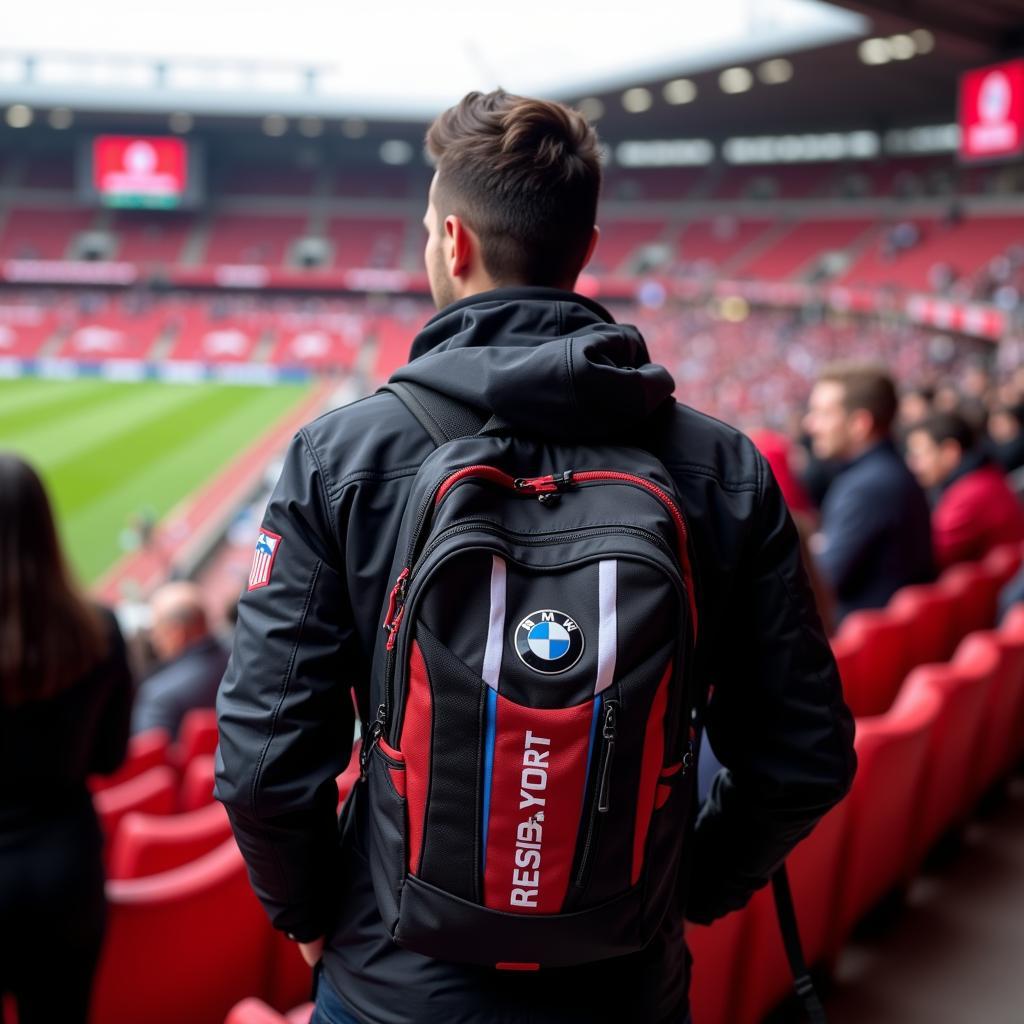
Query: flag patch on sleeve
(263, 559)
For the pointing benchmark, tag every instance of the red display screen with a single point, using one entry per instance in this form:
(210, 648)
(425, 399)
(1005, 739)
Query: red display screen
(992, 112)
(140, 170)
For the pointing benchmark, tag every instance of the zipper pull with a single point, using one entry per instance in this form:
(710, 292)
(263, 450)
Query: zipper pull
(397, 593)
(608, 735)
(373, 734)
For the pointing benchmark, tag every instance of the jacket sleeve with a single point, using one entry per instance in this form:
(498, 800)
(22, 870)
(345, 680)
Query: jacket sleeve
(955, 529)
(285, 717)
(111, 743)
(776, 720)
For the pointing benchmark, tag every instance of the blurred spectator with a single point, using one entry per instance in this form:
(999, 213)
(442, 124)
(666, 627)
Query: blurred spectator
(65, 701)
(973, 508)
(1011, 594)
(875, 530)
(1006, 429)
(193, 660)
(915, 405)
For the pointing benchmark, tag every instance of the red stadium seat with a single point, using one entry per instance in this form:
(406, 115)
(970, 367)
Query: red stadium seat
(197, 735)
(148, 844)
(255, 1011)
(1012, 632)
(996, 669)
(182, 946)
(975, 593)
(146, 750)
(927, 612)
(881, 661)
(892, 750)
(347, 779)
(154, 792)
(942, 796)
(716, 951)
(1002, 563)
(814, 879)
(197, 783)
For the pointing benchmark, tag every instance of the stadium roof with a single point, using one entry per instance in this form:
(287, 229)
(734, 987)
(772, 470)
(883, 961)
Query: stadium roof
(404, 59)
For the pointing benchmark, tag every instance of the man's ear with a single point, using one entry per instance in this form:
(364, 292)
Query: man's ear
(462, 246)
(595, 235)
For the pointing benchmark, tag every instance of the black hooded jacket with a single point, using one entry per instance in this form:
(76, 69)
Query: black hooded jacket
(549, 363)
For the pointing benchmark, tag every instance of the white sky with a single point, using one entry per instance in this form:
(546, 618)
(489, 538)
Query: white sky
(423, 53)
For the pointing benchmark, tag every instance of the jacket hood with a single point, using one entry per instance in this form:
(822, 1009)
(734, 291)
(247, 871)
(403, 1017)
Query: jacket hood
(543, 361)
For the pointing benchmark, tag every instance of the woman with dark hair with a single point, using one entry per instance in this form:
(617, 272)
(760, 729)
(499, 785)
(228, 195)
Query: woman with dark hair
(65, 702)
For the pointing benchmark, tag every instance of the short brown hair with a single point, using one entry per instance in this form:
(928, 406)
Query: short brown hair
(525, 176)
(865, 386)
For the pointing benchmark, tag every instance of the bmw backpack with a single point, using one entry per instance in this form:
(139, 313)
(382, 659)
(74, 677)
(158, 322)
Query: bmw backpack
(529, 767)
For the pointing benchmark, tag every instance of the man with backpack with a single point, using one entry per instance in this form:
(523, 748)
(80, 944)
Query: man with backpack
(543, 579)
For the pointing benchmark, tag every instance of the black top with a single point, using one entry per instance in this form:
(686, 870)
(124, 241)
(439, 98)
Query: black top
(877, 530)
(550, 363)
(49, 747)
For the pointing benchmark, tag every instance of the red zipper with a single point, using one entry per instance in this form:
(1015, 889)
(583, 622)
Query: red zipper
(487, 472)
(677, 516)
(391, 620)
(558, 481)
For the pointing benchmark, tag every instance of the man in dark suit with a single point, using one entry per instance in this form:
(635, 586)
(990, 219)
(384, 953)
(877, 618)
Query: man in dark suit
(875, 532)
(192, 660)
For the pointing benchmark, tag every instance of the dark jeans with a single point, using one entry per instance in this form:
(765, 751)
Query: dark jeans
(329, 1008)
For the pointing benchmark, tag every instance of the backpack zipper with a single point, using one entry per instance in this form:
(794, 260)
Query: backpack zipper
(601, 801)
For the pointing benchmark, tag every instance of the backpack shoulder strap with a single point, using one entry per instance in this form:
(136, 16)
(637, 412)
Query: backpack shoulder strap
(802, 982)
(441, 417)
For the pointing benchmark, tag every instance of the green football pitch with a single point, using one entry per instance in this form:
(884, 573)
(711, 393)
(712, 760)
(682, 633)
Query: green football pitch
(110, 451)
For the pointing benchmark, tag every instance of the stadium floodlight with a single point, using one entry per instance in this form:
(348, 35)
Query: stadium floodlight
(735, 80)
(924, 41)
(19, 115)
(775, 72)
(679, 91)
(591, 108)
(353, 128)
(874, 51)
(311, 127)
(637, 100)
(180, 122)
(396, 152)
(902, 47)
(60, 118)
(275, 125)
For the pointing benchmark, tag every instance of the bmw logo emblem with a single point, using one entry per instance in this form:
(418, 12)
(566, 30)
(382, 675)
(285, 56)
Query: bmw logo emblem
(549, 641)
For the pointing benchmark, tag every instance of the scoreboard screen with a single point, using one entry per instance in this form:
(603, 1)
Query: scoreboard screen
(142, 172)
(992, 112)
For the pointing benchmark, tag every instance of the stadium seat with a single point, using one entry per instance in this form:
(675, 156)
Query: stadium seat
(815, 883)
(942, 796)
(995, 669)
(927, 613)
(892, 750)
(146, 750)
(148, 844)
(255, 1011)
(185, 945)
(347, 779)
(975, 593)
(1002, 563)
(154, 791)
(197, 735)
(717, 952)
(197, 783)
(1012, 632)
(881, 640)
